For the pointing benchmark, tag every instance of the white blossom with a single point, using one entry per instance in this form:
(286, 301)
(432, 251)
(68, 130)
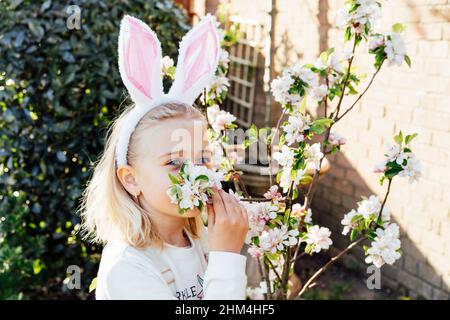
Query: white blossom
(332, 62)
(194, 183)
(271, 240)
(285, 178)
(259, 213)
(219, 119)
(255, 252)
(219, 84)
(289, 179)
(273, 194)
(367, 12)
(376, 41)
(278, 238)
(319, 238)
(319, 92)
(395, 48)
(380, 167)
(347, 222)
(286, 157)
(166, 64)
(305, 74)
(371, 208)
(336, 140)
(300, 213)
(295, 128)
(412, 169)
(313, 155)
(280, 87)
(257, 293)
(347, 53)
(224, 58)
(385, 247)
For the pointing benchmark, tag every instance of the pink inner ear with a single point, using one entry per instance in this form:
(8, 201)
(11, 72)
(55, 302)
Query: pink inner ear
(206, 42)
(140, 55)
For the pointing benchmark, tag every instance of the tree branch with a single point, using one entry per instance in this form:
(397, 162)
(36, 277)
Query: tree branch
(351, 245)
(332, 115)
(328, 264)
(360, 96)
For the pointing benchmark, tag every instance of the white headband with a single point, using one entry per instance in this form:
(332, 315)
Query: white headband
(140, 69)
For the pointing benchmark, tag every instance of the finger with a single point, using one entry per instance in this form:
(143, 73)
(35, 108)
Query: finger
(211, 215)
(241, 210)
(219, 207)
(231, 206)
(244, 214)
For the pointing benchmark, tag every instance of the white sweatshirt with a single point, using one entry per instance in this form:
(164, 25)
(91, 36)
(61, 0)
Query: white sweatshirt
(183, 273)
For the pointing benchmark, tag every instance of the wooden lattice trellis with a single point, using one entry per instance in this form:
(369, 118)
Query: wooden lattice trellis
(243, 68)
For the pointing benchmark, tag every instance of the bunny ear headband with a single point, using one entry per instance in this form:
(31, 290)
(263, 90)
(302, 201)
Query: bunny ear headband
(140, 69)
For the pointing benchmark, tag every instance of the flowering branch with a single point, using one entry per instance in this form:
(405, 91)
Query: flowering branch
(342, 253)
(327, 265)
(280, 227)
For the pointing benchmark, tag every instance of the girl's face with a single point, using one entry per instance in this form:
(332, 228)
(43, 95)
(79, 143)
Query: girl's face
(162, 149)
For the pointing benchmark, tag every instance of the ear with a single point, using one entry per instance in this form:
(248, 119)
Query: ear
(198, 59)
(140, 61)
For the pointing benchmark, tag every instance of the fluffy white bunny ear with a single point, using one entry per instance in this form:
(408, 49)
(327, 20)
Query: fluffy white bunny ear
(140, 61)
(198, 59)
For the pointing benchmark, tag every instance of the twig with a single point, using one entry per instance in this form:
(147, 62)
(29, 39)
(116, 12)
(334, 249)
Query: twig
(264, 278)
(360, 96)
(328, 264)
(273, 268)
(267, 278)
(270, 145)
(385, 197)
(261, 200)
(296, 255)
(345, 83)
(351, 245)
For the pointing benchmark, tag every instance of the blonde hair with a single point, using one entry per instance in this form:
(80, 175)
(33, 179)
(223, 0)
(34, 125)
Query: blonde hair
(107, 209)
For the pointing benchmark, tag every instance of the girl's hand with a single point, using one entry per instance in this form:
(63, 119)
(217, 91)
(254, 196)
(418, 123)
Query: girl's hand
(227, 223)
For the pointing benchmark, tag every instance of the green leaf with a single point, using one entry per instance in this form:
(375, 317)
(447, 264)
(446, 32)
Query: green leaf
(398, 27)
(294, 194)
(399, 138)
(38, 265)
(325, 55)
(202, 177)
(348, 34)
(173, 179)
(279, 176)
(302, 106)
(408, 60)
(318, 126)
(409, 137)
(93, 285)
(353, 235)
(305, 179)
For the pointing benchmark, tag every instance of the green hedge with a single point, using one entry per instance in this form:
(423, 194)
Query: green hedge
(59, 89)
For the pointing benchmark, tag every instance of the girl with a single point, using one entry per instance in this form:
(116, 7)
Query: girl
(153, 252)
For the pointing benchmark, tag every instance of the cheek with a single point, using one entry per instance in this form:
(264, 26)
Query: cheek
(155, 186)
(155, 190)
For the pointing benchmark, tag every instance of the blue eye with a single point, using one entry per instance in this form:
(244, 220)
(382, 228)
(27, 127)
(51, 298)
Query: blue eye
(175, 163)
(205, 160)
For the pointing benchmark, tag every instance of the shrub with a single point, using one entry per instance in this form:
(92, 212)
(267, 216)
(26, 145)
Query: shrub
(59, 90)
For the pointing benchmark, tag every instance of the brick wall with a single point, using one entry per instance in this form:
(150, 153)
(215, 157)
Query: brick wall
(413, 100)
